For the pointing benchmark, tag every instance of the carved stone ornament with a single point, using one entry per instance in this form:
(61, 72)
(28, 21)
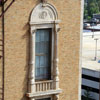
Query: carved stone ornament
(43, 14)
(33, 31)
(58, 29)
(44, 1)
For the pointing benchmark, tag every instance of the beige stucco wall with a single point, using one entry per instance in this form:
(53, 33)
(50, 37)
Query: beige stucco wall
(17, 47)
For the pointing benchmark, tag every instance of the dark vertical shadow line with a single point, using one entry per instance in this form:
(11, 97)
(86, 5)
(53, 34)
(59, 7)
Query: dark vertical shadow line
(3, 61)
(6, 8)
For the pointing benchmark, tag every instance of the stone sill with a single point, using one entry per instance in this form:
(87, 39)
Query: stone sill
(43, 93)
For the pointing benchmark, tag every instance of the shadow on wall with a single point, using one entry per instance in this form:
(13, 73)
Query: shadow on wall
(25, 82)
(27, 37)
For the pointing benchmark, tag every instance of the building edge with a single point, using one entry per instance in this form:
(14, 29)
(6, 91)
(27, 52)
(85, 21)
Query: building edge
(80, 52)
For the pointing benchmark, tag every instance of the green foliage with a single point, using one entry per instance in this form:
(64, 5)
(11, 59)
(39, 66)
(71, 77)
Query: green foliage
(87, 95)
(89, 18)
(91, 7)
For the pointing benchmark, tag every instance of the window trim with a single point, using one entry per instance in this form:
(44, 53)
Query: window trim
(45, 26)
(51, 50)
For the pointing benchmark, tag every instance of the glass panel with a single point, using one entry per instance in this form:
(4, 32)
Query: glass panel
(37, 73)
(37, 63)
(37, 36)
(46, 61)
(41, 71)
(46, 36)
(42, 54)
(42, 32)
(42, 60)
(47, 49)
(37, 47)
(42, 47)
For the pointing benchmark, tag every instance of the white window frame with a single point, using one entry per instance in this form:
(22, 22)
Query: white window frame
(46, 26)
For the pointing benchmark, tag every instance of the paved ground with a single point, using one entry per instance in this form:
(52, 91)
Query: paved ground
(88, 53)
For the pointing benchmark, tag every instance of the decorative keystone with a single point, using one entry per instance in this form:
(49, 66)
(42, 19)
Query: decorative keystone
(44, 1)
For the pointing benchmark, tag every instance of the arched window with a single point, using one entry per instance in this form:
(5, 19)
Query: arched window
(44, 27)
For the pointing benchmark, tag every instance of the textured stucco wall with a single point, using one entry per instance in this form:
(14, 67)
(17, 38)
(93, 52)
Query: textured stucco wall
(17, 47)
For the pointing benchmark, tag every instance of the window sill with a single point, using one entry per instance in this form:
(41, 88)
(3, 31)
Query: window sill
(44, 93)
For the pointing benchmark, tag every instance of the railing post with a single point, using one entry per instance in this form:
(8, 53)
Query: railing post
(32, 63)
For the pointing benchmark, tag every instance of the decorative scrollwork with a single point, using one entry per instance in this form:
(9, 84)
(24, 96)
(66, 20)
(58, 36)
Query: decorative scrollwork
(43, 15)
(44, 1)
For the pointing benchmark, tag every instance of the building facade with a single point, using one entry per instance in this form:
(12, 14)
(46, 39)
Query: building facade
(41, 50)
(91, 83)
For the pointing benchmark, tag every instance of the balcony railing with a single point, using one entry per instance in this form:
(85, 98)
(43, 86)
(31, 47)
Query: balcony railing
(44, 86)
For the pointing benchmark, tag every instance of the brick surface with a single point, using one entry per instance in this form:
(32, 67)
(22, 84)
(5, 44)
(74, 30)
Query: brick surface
(17, 47)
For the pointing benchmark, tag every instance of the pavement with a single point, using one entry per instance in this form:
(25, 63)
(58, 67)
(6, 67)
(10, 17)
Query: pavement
(88, 51)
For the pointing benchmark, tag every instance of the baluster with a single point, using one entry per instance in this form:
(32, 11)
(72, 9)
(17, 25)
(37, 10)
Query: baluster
(49, 86)
(46, 86)
(37, 87)
(52, 85)
(40, 86)
(43, 86)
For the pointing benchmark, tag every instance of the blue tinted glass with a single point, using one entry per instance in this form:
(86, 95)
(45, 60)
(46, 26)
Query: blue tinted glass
(42, 50)
(42, 61)
(37, 36)
(37, 61)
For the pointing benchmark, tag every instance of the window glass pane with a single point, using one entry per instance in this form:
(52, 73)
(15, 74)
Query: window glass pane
(47, 61)
(42, 47)
(42, 32)
(37, 63)
(46, 47)
(46, 36)
(37, 73)
(42, 54)
(42, 61)
(37, 47)
(37, 36)
(41, 71)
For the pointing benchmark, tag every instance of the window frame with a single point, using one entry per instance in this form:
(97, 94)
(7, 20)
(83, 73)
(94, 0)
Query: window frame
(50, 32)
(45, 26)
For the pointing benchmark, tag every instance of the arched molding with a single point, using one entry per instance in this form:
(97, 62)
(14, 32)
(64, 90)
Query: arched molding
(43, 13)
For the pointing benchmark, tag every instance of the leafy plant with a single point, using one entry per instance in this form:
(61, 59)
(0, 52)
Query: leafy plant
(87, 95)
(91, 7)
